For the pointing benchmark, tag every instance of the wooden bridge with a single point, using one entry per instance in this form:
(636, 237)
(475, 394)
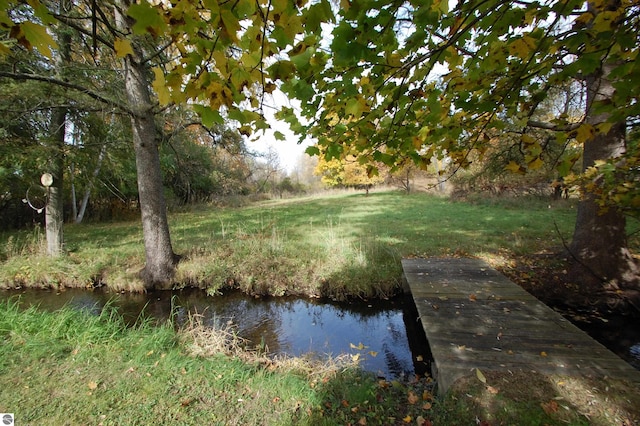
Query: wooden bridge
(475, 317)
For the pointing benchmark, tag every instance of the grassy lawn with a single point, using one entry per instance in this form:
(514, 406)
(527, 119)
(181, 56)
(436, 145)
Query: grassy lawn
(339, 246)
(72, 368)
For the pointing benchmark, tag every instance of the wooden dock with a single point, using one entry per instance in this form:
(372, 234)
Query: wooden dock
(476, 318)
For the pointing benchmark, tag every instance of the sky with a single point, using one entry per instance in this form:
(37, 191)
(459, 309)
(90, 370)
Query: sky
(289, 151)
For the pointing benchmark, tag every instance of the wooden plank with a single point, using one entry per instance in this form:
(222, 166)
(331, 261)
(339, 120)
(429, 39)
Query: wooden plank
(475, 317)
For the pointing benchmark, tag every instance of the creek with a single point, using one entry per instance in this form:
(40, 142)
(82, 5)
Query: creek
(295, 326)
(380, 333)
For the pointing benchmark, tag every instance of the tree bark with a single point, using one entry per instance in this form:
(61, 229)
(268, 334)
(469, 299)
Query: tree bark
(160, 259)
(599, 241)
(54, 218)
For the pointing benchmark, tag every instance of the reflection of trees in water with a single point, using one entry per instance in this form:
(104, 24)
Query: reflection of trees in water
(396, 366)
(285, 325)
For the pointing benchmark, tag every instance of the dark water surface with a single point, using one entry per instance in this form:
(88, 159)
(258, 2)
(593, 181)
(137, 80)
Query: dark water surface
(291, 326)
(295, 326)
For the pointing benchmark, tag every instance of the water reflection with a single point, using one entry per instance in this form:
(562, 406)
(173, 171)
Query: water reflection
(284, 325)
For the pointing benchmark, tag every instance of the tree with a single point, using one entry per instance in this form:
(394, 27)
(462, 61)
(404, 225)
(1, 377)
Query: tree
(404, 79)
(218, 57)
(421, 79)
(348, 173)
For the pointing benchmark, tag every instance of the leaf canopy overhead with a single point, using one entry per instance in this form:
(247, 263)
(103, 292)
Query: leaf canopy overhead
(407, 79)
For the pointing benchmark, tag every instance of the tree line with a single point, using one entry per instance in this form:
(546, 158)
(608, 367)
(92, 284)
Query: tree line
(523, 85)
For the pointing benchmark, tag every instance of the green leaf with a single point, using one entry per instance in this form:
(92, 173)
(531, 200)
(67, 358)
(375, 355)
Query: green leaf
(282, 70)
(584, 133)
(333, 151)
(317, 14)
(208, 116)
(279, 136)
(148, 18)
(383, 158)
(231, 24)
(312, 150)
(238, 115)
(356, 107)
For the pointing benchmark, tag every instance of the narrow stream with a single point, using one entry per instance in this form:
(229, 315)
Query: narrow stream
(381, 333)
(294, 326)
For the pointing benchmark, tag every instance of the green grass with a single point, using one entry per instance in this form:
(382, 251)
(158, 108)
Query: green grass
(71, 367)
(339, 246)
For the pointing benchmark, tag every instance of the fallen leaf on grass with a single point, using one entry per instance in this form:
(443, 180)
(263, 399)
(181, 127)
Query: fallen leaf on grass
(412, 398)
(421, 421)
(93, 385)
(407, 419)
(492, 390)
(473, 297)
(550, 407)
(480, 376)
(362, 421)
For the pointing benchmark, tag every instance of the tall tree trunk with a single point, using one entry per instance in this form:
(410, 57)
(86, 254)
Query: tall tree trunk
(54, 218)
(599, 240)
(54, 211)
(160, 259)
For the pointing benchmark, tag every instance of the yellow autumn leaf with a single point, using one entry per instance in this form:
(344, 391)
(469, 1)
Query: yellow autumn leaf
(4, 48)
(32, 35)
(92, 385)
(373, 353)
(604, 128)
(535, 164)
(514, 167)
(160, 87)
(522, 47)
(407, 419)
(122, 47)
(528, 140)
(584, 133)
(480, 376)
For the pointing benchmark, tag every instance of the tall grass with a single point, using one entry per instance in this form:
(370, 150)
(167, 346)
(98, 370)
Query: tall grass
(70, 367)
(338, 246)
